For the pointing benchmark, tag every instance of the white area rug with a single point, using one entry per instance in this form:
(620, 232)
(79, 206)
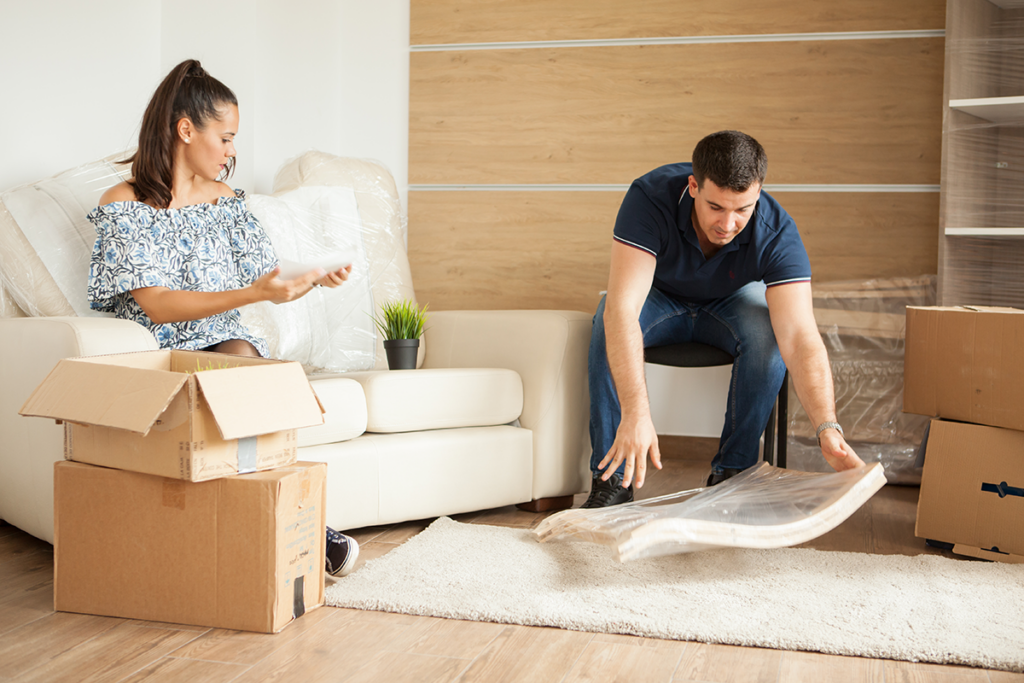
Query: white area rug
(925, 608)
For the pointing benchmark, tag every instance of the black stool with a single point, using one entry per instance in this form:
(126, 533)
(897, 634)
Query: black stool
(696, 355)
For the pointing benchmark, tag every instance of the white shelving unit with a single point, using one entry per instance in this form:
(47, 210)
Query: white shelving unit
(1001, 110)
(981, 235)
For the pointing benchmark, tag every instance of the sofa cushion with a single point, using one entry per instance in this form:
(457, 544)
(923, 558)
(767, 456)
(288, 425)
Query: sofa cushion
(416, 400)
(344, 412)
(46, 241)
(381, 215)
(329, 329)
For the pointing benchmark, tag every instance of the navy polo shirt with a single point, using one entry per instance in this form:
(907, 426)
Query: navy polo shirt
(655, 217)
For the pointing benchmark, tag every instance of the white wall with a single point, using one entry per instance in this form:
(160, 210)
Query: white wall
(74, 80)
(309, 74)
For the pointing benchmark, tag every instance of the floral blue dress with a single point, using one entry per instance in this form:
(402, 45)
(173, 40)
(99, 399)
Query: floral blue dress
(199, 248)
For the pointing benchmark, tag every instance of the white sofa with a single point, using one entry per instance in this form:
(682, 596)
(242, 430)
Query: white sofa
(495, 415)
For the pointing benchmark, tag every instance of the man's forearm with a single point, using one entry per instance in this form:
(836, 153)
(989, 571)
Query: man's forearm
(812, 379)
(625, 344)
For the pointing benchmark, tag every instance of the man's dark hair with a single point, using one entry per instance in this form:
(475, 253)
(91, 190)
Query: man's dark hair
(730, 159)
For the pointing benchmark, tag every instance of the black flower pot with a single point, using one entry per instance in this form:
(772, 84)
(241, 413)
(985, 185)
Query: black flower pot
(401, 353)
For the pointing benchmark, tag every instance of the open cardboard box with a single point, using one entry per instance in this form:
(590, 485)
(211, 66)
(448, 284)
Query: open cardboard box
(972, 490)
(189, 415)
(243, 552)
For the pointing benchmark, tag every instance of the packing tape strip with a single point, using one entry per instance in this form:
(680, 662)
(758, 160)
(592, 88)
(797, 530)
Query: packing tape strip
(247, 455)
(299, 597)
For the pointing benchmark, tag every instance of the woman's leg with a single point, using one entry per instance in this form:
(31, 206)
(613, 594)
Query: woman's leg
(238, 347)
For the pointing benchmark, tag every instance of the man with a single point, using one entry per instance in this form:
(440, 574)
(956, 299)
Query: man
(701, 254)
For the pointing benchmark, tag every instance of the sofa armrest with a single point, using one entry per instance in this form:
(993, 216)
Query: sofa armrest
(29, 349)
(549, 351)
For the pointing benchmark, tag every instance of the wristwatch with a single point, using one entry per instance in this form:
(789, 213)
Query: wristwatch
(827, 425)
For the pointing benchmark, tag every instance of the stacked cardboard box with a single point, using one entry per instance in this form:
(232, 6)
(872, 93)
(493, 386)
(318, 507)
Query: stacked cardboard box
(185, 502)
(965, 366)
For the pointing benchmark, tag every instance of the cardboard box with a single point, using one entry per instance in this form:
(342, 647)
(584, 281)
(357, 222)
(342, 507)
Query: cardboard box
(183, 414)
(972, 490)
(243, 552)
(965, 363)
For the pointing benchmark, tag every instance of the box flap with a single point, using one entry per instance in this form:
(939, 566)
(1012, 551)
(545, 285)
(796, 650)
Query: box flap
(104, 395)
(261, 399)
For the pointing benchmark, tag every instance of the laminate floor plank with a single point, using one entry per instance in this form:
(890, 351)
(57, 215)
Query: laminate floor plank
(916, 672)
(625, 662)
(242, 647)
(404, 667)
(110, 656)
(799, 667)
(446, 638)
(43, 640)
(728, 664)
(334, 652)
(173, 670)
(528, 653)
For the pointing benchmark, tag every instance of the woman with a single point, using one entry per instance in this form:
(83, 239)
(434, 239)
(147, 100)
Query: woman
(177, 251)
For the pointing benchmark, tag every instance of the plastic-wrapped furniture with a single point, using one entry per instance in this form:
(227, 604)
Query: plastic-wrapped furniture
(495, 415)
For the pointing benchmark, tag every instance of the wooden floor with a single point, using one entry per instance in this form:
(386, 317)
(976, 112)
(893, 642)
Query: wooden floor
(38, 644)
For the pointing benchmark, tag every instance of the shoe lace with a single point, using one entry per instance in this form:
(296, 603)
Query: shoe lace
(602, 492)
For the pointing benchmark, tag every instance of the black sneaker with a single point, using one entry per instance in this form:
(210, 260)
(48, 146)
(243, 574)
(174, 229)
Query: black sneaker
(605, 493)
(727, 473)
(342, 552)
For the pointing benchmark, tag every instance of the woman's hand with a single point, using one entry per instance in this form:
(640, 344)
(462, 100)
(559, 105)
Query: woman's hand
(336, 278)
(272, 288)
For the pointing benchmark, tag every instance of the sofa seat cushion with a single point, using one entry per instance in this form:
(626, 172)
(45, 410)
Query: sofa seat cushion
(344, 412)
(442, 398)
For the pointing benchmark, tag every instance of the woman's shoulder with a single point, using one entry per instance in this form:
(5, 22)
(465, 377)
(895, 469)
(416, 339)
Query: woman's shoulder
(122, 192)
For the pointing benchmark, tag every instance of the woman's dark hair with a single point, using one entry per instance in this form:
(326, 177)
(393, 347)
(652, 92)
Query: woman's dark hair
(730, 159)
(187, 91)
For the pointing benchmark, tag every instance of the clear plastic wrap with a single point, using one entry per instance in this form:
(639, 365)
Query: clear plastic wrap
(46, 241)
(762, 507)
(329, 329)
(862, 324)
(982, 202)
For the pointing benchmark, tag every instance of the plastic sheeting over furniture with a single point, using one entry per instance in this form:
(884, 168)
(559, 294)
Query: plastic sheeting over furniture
(862, 324)
(762, 507)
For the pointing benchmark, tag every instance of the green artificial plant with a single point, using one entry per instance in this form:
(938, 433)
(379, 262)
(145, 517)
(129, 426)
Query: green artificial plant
(401, 320)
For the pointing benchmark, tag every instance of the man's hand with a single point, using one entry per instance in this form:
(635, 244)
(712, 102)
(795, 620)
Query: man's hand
(837, 452)
(633, 440)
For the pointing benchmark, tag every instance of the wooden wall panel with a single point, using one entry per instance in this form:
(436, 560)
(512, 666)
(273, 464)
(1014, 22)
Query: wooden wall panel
(864, 111)
(494, 250)
(479, 21)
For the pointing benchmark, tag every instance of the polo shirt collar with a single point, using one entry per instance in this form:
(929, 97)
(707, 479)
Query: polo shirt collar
(685, 224)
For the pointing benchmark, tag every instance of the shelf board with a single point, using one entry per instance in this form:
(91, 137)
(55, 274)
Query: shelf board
(1008, 4)
(994, 109)
(984, 232)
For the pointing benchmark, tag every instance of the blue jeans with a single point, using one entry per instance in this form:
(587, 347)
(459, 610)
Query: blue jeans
(738, 324)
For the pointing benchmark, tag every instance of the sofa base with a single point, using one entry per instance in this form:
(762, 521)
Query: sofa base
(388, 478)
(551, 504)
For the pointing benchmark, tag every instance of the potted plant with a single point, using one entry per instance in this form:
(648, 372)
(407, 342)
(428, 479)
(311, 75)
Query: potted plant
(401, 323)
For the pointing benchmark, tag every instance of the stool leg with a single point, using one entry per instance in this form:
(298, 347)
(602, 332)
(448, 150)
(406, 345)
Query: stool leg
(769, 436)
(783, 421)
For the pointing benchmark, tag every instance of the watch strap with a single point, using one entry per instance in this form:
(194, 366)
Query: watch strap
(827, 425)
